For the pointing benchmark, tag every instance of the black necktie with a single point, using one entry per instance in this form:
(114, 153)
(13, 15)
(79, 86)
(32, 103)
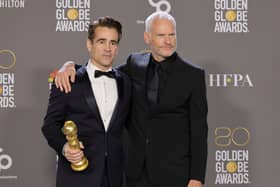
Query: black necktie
(110, 74)
(154, 85)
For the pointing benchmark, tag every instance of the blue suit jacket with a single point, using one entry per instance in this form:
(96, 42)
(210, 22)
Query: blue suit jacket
(80, 106)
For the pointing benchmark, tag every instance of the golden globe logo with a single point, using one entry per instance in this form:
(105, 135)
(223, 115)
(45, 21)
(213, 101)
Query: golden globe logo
(72, 15)
(7, 79)
(231, 16)
(232, 157)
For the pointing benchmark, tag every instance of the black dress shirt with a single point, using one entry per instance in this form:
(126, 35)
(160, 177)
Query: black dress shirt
(162, 74)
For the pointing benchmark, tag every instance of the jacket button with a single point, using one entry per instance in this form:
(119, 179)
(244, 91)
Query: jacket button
(147, 141)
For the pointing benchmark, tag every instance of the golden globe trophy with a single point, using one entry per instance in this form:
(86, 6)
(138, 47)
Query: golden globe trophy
(70, 131)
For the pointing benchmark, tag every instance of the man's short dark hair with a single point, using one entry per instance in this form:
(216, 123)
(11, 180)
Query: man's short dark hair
(105, 22)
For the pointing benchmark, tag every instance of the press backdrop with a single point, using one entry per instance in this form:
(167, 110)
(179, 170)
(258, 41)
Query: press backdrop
(235, 41)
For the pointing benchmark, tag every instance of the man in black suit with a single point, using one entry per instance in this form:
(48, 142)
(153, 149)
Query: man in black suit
(167, 144)
(98, 104)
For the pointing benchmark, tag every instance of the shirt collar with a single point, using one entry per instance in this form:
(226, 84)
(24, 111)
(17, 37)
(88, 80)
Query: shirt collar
(92, 67)
(165, 63)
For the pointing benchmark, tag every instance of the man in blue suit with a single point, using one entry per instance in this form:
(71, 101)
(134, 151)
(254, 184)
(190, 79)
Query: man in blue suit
(98, 104)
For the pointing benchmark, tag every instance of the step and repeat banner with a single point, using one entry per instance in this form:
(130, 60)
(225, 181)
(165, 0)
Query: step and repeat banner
(235, 41)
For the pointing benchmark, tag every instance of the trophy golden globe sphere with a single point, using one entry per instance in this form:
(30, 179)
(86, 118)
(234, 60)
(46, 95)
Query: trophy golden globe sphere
(70, 130)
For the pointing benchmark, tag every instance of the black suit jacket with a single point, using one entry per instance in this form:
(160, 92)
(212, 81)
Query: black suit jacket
(80, 106)
(170, 137)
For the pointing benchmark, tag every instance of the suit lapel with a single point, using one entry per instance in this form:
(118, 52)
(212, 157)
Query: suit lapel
(120, 87)
(145, 61)
(88, 93)
(144, 66)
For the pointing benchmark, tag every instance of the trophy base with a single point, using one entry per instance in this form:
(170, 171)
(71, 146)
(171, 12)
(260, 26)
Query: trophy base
(80, 166)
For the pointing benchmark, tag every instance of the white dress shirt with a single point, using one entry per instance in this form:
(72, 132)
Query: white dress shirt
(105, 92)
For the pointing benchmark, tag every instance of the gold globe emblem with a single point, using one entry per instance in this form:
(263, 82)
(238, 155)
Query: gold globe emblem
(1, 89)
(72, 14)
(230, 15)
(229, 80)
(231, 167)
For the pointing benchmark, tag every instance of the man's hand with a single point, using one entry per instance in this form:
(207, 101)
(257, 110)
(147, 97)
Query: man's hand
(194, 183)
(62, 77)
(73, 155)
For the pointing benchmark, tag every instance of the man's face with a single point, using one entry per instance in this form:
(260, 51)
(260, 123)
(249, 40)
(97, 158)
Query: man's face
(161, 39)
(104, 47)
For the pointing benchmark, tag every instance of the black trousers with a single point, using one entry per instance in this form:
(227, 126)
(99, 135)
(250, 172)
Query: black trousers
(105, 179)
(145, 181)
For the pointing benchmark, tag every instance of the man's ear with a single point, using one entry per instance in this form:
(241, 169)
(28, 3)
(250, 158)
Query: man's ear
(89, 45)
(147, 37)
